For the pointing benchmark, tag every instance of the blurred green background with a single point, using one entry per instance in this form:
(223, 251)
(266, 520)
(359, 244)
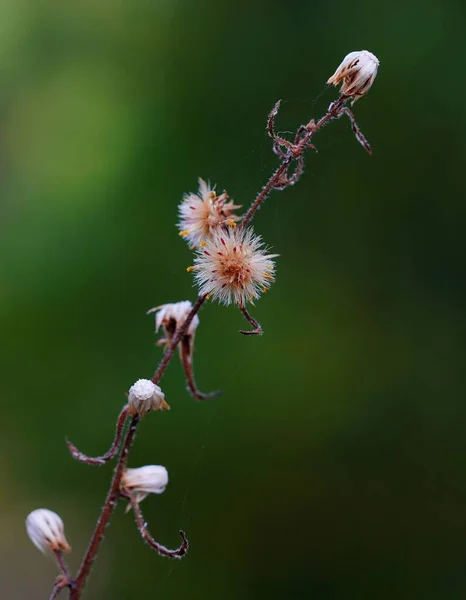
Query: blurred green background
(334, 464)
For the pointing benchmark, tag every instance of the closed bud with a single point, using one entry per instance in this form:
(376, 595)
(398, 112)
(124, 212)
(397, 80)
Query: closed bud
(46, 531)
(144, 396)
(357, 72)
(139, 483)
(173, 315)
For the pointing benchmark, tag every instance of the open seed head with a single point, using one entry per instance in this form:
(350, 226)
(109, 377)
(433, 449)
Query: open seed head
(203, 213)
(234, 267)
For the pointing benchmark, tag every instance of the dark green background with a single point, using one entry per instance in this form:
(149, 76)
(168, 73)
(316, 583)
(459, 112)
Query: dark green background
(334, 464)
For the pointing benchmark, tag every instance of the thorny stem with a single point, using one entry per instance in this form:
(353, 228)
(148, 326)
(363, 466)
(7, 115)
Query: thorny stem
(100, 460)
(294, 152)
(162, 550)
(187, 361)
(113, 493)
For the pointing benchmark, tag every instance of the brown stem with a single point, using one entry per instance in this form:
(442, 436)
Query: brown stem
(105, 514)
(186, 354)
(176, 339)
(59, 584)
(100, 460)
(62, 566)
(113, 493)
(279, 179)
(162, 550)
(257, 328)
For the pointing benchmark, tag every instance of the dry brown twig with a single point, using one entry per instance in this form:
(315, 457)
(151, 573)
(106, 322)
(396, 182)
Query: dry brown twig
(232, 266)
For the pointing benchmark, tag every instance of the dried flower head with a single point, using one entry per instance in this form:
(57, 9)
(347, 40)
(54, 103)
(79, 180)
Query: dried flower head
(358, 71)
(203, 213)
(46, 530)
(171, 316)
(234, 267)
(139, 483)
(144, 396)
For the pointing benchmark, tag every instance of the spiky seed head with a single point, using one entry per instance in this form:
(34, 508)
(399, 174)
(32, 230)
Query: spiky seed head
(203, 213)
(357, 71)
(46, 531)
(144, 396)
(234, 267)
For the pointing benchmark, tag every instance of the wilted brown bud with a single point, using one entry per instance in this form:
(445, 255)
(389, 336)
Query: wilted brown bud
(357, 71)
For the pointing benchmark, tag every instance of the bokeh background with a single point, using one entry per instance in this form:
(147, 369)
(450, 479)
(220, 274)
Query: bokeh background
(334, 464)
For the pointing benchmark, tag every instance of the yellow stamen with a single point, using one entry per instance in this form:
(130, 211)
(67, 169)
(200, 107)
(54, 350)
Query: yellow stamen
(207, 297)
(264, 289)
(231, 223)
(203, 243)
(189, 269)
(270, 268)
(268, 276)
(184, 233)
(251, 298)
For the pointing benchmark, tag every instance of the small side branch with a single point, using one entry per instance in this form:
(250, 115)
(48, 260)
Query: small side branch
(256, 325)
(357, 132)
(162, 550)
(101, 460)
(59, 585)
(186, 354)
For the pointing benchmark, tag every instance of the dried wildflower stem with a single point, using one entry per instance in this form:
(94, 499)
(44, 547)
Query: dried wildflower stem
(162, 550)
(294, 151)
(100, 460)
(257, 328)
(106, 513)
(186, 359)
(113, 494)
(60, 583)
(63, 567)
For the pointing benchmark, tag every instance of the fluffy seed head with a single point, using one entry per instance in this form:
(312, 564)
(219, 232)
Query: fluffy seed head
(171, 316)
(357, 71)
(234, 267)
(203, 213)
(46, 531)
(139, 483)
(144, 396)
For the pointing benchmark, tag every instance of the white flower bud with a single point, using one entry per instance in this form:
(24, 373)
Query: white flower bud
(46, 531)
(358, 71)
(139, 483)
(144, 396)
(171, 316)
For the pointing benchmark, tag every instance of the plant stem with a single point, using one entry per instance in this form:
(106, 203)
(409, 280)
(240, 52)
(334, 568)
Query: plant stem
(113, 494)
(105, 514)
(294, 152)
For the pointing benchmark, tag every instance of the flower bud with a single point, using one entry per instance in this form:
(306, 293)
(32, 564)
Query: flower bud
(358, 71)
(171, 316)
(46, 531)
(144, 396)
(139, 483)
